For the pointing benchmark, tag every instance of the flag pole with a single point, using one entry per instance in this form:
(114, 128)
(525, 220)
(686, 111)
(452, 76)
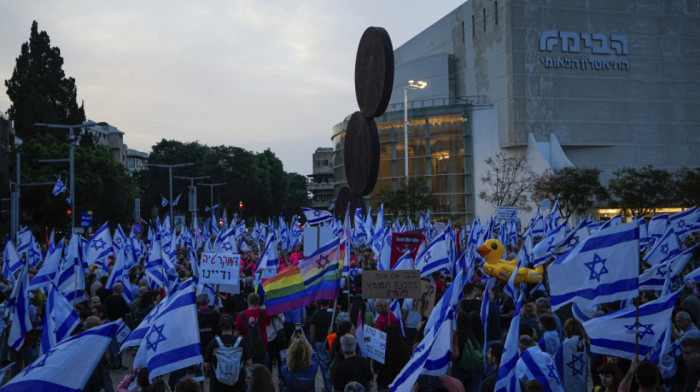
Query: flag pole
(636, 307)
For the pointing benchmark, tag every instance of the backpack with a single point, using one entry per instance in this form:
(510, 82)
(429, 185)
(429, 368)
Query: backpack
(472, 358)
(254, 338)
(228, 361)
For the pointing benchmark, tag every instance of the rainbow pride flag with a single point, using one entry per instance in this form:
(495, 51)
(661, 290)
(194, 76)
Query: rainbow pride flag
(314, 278)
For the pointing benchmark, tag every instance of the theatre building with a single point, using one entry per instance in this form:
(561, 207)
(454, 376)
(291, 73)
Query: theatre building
(595, 84)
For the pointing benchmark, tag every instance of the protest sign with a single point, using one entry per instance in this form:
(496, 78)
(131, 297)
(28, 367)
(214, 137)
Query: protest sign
(425, 303)
(402, 243)
(219, 268)
(374, 343)
(391, 284)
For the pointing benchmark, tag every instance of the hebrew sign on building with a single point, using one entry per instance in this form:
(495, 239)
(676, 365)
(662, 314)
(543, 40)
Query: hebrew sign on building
(584, 51)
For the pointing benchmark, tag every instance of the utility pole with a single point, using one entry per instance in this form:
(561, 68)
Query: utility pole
(211, 191)
(193, 203)
(170, 178)
(71, 160)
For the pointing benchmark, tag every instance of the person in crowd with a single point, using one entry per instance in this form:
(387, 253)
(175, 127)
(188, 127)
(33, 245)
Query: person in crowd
(354, 386)
(573, 350)
(528, 316)
(610, 378)
(99, 379)
(207, 319)
(467, 357)
(259, 379)
(690, 345)
(647, 376)
(254, 320)
(471, 302)
(493, 357)
(396, 356)
(188, 384)
(353, 367)
(103, 292)
(302, 364)
(227, 337)
(320, 325)
(684, 323)
(544, 307)
(358, 307)
(276, 342)
(94, 301)
(146, 304)
(292, 318)
(116, 308)
(410, 320)
(549, 342)
(384, 316)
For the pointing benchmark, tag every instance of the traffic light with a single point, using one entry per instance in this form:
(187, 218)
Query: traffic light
(221, 223)
(240, 205)
(69, 212)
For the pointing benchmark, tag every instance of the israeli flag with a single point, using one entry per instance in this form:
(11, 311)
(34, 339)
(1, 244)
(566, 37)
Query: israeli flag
(654, 278)
(177, 199)
(435, 257)
(543, 250)
(170, 339)
(60, 320)
(118, 240)
(99, 246)
(537, 365)
(664, 249)
(47, 273)
(405, 262)
(12, 261)
(614, 333)
(19, 311)
(268, 261)
(384, 261)
(574, 238)
(448, 302)
(657, 227)
(432, 355)
(56, 370)
(59, 188)
(32, 253)
(71, 278)
(507, 380)
(684, 221)
(358, 234)
(240, 230)
(315, 217)
(600, 269)
(154, 266)
(395, 308)
(692, 276)
(571, 360)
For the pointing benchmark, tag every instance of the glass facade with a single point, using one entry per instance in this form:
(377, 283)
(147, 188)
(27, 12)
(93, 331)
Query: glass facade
(439, 150)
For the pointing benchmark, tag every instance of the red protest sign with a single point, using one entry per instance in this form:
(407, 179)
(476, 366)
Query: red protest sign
(404, 242)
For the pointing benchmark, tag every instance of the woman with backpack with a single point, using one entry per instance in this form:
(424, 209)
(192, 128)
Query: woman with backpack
(299, 371)
(467, 357)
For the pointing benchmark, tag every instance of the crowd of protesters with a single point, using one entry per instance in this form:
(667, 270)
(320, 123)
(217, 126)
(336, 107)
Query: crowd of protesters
(315, 348)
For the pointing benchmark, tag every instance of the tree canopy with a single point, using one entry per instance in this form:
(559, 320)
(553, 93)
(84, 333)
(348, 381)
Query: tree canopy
(406, 201)
(508, 180)
(641, 190)
(577, 189)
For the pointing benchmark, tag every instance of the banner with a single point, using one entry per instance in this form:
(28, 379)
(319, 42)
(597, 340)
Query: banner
(425, 303)
(374, 345)
(219, 268)
(402, 243)
(391, 284)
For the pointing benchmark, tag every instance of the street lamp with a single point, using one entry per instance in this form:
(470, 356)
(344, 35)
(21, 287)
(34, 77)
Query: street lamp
(412, 85)
(170, 177)
(71, 160)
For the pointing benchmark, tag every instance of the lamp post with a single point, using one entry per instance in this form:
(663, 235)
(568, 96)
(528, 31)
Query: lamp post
(193, 210)
(412, 85)
(71, 160)
(170, 178)
(211, 192)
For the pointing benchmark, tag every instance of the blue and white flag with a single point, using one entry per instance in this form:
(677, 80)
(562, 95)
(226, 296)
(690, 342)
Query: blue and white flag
(19, 311)
(59, 188)
(59, 321)
(537, 365)
(507, 380)
(32, 252)
(543, 250)
(99, 246)
(315, 217)
(432, 355)
(435, 257)
(448, 302)
(571, 360)
(654, 278)
(12, 261)
(614, 333)
(395, 308)
(657, 227)
(170, 340)
(177, 199)
(684, 222)
(71, 278)
(664, 249)
(574, 238)
(603, 268)
(163, 202)
(56, 370)
(405, 262)
(48, 271)
(118, 240)
(154, 266)
(268, 261)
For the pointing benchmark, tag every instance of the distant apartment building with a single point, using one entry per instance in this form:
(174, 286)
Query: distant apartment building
(7, 140)
(320, 183)
(136, 160)
(111, 137)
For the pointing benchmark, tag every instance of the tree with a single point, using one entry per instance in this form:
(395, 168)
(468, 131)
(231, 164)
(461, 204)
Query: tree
(408, 200)
(509, 179)
(577, 188)
(39, 90)
(641, 190)
(688, 187)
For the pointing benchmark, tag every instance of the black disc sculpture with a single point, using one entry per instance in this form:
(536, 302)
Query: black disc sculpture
(374, 79)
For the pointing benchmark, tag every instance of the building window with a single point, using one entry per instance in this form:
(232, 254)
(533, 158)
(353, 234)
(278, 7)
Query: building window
(473, 27)
(463, 32)
(484, 11)
(495, 11)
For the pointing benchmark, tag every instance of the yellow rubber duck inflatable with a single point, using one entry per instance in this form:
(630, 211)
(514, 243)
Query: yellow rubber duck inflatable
(492, 251)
